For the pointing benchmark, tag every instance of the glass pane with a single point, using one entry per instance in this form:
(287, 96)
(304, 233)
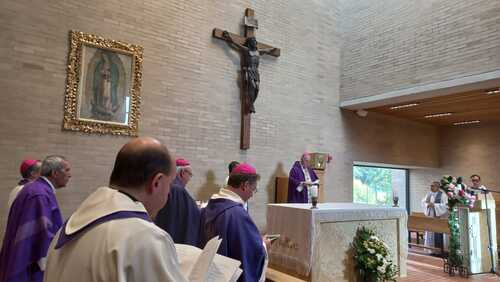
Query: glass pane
(379, 186)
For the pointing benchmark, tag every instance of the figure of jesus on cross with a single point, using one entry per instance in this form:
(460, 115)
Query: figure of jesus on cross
(250, 51)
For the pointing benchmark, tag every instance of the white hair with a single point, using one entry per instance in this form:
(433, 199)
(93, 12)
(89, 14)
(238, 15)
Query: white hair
(52, 164)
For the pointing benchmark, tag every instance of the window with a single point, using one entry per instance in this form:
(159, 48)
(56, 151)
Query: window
(379, 185)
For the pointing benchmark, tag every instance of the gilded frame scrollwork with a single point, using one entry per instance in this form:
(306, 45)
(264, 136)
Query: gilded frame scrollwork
(118, 112)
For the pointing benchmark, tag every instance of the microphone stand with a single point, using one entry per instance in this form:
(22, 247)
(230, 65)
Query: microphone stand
(488, 223)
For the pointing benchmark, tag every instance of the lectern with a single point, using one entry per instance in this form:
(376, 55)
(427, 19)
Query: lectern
(478, 235)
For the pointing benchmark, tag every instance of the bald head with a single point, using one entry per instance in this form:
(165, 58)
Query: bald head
(139, 161)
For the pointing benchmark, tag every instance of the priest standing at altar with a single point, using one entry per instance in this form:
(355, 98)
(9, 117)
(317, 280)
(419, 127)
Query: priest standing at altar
(435, 205)
(300, 175)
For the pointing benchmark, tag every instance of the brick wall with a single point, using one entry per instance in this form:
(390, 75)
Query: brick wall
(392, 44)
(190, 94)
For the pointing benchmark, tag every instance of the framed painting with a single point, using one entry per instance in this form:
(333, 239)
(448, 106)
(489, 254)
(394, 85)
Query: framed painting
(103, 85)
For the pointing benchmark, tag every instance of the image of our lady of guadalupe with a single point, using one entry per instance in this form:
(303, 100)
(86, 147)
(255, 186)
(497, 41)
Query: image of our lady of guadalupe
(105, 102)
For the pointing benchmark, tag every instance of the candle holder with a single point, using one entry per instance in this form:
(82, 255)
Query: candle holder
(395, 200)
(314, 201)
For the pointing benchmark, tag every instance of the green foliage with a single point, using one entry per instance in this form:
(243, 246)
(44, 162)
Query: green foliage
(372, 185)
(371, 257)
(457, 195)
(454, 258)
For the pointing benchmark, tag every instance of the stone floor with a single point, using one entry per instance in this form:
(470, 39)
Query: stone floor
(423, 268)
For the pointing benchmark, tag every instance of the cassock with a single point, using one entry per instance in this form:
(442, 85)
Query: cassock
(225, 216)
(34, 219)
(298, 193)
(180, 217)
(440, 210)
(111, 237)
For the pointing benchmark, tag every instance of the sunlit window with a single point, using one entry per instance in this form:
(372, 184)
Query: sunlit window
(379, 185)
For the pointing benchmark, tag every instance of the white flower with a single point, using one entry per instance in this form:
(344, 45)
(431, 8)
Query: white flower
(374, 238)
(379, 257)
(381, 269)
(371, 251)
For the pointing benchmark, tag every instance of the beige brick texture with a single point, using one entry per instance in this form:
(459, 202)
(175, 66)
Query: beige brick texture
(392, 44)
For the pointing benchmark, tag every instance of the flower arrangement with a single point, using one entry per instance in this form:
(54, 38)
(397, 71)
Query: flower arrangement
(455, 189)
(371, 257)
(457, 194)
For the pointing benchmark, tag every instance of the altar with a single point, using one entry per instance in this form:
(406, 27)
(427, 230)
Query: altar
(315, 244)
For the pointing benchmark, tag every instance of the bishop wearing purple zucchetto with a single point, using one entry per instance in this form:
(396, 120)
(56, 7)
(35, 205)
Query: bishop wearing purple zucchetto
(225, 216)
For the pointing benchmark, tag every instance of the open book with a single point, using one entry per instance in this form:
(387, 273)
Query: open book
(206, 265)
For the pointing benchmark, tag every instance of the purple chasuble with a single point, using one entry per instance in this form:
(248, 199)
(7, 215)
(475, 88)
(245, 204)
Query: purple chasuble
(180, 217)
(294, 178)
(241, 239)
(33, 221)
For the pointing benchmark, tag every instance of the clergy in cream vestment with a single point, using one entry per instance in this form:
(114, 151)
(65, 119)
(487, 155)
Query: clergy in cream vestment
(111, 238)
(435, 204)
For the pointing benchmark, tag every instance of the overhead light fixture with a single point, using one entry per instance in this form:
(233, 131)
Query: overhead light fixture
(493, 91)
(467, 122)
(361, 113)
(404, 106)
(438, 115)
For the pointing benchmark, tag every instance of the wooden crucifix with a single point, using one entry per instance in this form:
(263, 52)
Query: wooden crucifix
(250, 51)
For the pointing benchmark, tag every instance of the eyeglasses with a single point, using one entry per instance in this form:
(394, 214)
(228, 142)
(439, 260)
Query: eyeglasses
(474, 180)
(254, 188)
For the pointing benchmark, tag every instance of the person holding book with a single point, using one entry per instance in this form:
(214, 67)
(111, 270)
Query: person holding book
(111, 236)
(225, 216)
(300, 178)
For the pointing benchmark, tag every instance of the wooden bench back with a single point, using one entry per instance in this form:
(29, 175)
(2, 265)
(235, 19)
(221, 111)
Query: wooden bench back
(420, 222)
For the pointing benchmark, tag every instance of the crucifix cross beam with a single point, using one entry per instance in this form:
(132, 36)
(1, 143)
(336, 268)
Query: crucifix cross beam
(250, 51)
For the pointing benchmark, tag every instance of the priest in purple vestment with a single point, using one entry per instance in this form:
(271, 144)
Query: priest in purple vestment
(33, 221)
(180, 217)
(224, 216)
(300, 175)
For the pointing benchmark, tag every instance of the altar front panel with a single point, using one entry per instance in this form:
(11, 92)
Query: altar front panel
(334, 256)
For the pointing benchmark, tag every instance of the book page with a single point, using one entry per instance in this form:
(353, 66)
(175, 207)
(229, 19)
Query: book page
(224, 269)
(206, 265)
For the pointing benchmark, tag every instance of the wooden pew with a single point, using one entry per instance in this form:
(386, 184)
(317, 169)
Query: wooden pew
(418, 222)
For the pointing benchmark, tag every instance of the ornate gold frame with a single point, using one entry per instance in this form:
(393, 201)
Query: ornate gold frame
(71, 119)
